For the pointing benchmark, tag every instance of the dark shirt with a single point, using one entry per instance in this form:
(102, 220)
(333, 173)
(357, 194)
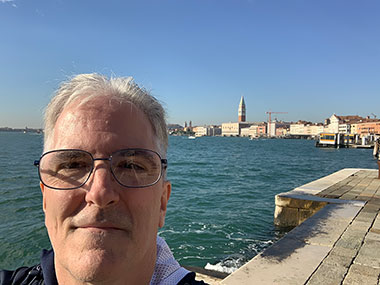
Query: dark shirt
(44, 273)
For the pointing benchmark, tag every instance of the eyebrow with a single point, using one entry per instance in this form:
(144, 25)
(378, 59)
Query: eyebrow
(148, 155)
(70, 154)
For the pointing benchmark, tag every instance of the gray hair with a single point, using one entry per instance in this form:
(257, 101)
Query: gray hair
(88, 86)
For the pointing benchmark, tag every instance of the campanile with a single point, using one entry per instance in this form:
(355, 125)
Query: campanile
(241, 111)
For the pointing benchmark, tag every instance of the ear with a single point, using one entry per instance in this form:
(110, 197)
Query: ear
(42, 187)
(164, 202)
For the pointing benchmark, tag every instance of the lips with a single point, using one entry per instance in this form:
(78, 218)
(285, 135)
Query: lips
(101, 220)
(100, 227)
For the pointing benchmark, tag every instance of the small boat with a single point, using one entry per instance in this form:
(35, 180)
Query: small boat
(337, 140)
(191, 138)
(328, 140)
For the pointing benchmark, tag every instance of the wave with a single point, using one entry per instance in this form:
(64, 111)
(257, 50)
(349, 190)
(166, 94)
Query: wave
(229, 264)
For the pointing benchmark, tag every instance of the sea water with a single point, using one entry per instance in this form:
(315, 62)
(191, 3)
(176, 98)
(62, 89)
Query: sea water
(220, 213)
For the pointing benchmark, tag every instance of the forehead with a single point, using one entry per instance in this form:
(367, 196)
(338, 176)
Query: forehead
(102, 124)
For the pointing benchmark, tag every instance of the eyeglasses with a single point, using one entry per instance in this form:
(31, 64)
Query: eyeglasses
(69, 169)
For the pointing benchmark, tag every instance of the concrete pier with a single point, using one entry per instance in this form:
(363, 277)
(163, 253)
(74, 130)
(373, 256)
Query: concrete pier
(337, 240)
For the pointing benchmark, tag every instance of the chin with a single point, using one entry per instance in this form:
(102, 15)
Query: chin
(90, 257)
(95, 265)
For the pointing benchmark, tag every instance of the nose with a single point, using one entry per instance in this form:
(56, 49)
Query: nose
(102, 189)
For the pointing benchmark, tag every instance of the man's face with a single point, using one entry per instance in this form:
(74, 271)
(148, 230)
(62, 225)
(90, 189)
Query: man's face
(104, 232)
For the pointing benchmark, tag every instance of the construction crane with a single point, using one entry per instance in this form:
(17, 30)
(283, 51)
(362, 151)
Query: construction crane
(270, 118)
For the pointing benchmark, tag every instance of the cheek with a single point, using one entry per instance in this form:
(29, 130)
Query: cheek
(59, 205)
(144, 206)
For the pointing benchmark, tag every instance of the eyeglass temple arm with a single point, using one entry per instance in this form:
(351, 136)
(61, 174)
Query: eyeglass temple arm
(164, 163)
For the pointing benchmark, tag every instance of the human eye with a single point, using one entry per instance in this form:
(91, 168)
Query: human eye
(72, 165)
(68, 162)
(131, 165)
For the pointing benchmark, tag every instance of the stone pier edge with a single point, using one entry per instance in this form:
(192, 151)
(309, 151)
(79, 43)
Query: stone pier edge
(295, 257)
(299, 204)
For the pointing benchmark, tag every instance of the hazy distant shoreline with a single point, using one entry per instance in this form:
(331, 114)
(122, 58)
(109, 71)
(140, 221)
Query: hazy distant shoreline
(26, 130)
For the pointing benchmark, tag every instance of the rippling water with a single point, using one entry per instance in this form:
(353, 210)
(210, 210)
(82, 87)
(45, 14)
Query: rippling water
(222, 203)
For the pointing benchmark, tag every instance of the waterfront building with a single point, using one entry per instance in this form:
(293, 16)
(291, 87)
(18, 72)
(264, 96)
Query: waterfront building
(272, 129)
(230, 129)
(200, 131)
(253, 130)
(316, 129)
(215, 130)
(262, 129)
(357, 125)
(241, 110)
(233, 129)
(277, 127)
(303, 128)
(244, 132)
(352, 124)
(282, 131)
(188, 128)
(344, 128)
(212, 130)
(354, 128)
(368, 127)
(298, 128)
(333, 124)
(342, 124)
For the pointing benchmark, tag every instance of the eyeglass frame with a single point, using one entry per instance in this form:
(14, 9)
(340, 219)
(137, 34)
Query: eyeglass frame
(164, 165)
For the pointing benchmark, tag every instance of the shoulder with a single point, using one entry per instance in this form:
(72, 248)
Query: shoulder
(189, 279)
(32, 275)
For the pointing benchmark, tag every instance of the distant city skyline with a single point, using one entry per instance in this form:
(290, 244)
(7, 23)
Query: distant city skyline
(308, 58)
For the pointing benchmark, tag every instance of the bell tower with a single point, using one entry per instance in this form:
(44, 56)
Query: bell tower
(241, 111)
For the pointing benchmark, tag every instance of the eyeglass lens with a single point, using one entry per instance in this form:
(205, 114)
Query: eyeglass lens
(70, 169)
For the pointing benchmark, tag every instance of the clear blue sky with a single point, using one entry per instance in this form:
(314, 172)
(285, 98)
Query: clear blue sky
(310, 58)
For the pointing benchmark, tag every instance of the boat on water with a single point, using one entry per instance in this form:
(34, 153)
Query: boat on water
(191, 138)
(328, 140)
(335, 140)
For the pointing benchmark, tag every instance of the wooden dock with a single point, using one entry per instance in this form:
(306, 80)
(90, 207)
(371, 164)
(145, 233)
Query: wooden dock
(337, 240)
